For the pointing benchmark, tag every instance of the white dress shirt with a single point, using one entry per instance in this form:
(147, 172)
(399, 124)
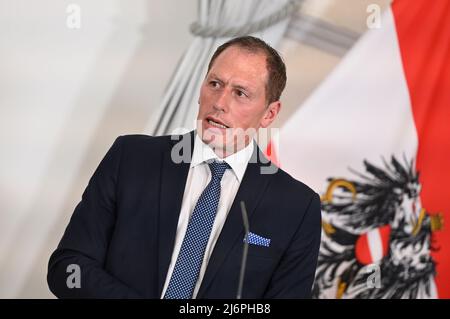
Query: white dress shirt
(198, 178)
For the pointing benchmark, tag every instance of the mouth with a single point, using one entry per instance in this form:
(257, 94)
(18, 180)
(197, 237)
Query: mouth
(216, 123)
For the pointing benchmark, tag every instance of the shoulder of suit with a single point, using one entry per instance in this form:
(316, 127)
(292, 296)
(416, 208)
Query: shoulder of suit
(142, 141)
(292, 184)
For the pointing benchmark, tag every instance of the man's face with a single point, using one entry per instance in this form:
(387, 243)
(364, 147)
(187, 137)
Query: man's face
(233, 98)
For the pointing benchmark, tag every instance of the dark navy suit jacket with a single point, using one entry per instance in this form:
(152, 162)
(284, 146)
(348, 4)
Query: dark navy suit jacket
(122, 232)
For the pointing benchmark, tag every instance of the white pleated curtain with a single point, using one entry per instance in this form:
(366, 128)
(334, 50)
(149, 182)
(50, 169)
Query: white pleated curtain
(218, 21)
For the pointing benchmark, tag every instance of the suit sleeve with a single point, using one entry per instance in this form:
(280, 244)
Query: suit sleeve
(85, 241)
(294, 276)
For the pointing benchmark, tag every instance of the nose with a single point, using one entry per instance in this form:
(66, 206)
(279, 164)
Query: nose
(222, 102)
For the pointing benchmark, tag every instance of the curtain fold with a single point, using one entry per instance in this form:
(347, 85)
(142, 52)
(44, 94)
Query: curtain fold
(178, 109)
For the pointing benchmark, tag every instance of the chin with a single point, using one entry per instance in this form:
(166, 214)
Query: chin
(213, 138)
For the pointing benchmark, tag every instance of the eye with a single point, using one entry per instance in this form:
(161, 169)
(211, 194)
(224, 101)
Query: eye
(240, 93)
(214, 84)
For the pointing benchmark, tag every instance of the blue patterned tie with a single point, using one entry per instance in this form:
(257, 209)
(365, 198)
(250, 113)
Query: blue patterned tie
(190, 257)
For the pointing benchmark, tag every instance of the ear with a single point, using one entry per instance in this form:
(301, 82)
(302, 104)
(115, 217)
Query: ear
(270, 114)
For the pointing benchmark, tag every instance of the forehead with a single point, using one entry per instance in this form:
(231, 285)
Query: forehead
(240, 63)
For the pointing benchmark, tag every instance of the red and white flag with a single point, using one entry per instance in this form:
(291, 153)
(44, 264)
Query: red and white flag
(374, 141)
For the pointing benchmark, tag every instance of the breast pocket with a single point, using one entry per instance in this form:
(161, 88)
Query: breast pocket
(262, 251)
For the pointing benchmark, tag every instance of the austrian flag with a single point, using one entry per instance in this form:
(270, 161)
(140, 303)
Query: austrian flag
(374, 141)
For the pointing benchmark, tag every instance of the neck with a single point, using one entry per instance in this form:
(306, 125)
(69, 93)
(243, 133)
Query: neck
(223, 152)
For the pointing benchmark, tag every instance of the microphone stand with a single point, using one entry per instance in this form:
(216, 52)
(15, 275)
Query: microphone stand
(245, 250)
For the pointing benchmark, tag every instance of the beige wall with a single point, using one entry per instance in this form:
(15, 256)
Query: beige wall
(65, 94)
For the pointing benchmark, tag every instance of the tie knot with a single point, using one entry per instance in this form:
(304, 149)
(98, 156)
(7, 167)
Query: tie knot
(218, 169)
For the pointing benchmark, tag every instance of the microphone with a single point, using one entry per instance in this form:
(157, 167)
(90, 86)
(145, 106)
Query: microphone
(245, 250)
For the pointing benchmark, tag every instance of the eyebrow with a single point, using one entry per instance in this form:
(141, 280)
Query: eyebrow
(212, 75)
(243, 88)
(237, 86)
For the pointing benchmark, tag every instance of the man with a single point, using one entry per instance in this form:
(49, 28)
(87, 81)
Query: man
(152, 226)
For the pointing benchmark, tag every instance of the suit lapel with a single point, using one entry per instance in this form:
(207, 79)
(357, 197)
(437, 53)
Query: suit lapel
(250, 191)
(173, 180)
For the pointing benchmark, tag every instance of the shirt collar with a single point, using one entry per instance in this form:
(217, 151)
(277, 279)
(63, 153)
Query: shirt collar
(237, 161)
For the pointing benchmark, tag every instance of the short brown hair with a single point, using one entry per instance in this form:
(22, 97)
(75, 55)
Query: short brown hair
(276, 68)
